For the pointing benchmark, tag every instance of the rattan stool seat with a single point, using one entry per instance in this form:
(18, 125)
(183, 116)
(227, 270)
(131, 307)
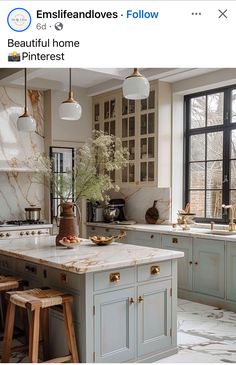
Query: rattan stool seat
(9, 282)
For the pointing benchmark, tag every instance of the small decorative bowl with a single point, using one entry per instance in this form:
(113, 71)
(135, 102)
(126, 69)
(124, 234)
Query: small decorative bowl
(69, 245)
(98, 242)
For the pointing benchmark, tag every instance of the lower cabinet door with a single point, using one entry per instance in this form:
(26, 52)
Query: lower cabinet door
(154, 317)
(114, 326)
(231, 271)
(208, 267)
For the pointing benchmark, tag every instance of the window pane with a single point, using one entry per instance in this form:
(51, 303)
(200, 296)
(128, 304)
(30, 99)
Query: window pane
(132, 150)
(144, 124)
(106, 127)
(124, 127)
(143, 171)
(197, 175)
(214, 204)
(124, 106)
(215, 146)
(215, 109)
(143, 152)
(233, 144)
(151, 124)
(150, 171)
(113, 128)
(125, 174)
(131, 127)
(198, 112)
(233, 174)
(197, 147)
(197, 202)
(144, 104)
(234, 106)
(151, 100)
(214, 175)
(131, 172)
(131, 106)
(112, 108)
(151, 147)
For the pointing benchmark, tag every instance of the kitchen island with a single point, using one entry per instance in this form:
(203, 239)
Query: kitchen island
(125, 296)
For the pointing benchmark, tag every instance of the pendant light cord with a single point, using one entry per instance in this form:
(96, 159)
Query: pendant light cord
(26, 107)
(70, 87)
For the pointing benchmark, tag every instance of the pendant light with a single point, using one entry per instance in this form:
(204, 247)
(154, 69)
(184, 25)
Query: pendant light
(136, 86)
(26, 122)
(70, 109)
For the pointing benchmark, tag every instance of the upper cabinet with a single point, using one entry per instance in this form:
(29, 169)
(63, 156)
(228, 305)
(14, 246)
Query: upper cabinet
(144, 127)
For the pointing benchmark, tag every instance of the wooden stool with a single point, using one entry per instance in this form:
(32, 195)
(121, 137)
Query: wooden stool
(39, 301)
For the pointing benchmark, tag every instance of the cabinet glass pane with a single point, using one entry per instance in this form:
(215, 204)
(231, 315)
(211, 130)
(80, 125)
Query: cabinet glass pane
(96, 112)
(151, 123)
(233, 144)
(233, 174)
(214, 175)
(197, 147)
(131, 127)
(124, 127)
(215, 109)
(151, 100)
(106, 110)
(124, 106)
(125, 174)
(112, 176)
(112, 108)
(215, 146)
(113, 128)
(151, 146)
(143, 129)
(214, 204)
(151, 171)
(197, 175)
(143, 152)
(132, 149)
(125, 144)
(198, 112)
(106, 127)
(143, 104)
(143, 171)
(233, 120)
(96, 127)
(197, 202)
(131, 106)
(131, 172)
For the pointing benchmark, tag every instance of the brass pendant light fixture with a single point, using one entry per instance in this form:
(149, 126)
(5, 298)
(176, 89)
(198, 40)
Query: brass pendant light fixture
(136, 86)
(70, 109)
(25, 122)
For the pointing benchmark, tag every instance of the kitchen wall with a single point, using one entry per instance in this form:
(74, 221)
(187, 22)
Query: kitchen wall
(19, 189)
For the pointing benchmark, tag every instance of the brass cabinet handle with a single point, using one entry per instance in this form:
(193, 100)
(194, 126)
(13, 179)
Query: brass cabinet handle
(131, 301)
(174, 240)
(155, 270)
(114, 277)
(140, 299)
(152, 236)
(190, 262)
(196, 263)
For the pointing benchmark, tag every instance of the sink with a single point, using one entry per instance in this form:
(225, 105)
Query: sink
(221, 232)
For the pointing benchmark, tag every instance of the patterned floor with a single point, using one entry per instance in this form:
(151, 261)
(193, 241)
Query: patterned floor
(205, 335)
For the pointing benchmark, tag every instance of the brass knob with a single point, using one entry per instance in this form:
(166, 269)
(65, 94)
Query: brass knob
(152, 236)
(155, 270)
(174, 240)
(190, 262)
(131, 301)
(196, 263)
(140, 299)
(114, 277)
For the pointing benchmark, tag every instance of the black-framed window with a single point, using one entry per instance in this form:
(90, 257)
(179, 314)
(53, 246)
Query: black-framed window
(210, 152)
(63, 160)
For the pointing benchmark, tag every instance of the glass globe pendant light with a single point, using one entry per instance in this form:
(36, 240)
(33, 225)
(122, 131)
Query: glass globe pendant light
(136, 86)
(70, 109)
(26, 122)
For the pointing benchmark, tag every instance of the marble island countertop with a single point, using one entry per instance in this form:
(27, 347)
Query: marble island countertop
(86, 257)
(194, 231)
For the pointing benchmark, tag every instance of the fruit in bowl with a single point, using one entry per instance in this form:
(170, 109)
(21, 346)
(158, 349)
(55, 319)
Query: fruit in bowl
(70, 239)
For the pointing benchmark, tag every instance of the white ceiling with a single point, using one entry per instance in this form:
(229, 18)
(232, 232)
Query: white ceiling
(93, 80)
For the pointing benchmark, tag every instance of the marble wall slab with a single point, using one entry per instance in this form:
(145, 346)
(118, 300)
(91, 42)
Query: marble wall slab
(17, 189)
(139, 199)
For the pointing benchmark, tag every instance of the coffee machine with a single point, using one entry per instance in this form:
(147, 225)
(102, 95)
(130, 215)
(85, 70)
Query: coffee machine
(120, 205)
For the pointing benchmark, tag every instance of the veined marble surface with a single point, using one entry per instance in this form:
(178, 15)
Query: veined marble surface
(18, 189)
(85, 257)
(167, 229)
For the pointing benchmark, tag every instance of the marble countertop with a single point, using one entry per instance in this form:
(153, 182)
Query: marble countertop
(86, 257)
(168, 229)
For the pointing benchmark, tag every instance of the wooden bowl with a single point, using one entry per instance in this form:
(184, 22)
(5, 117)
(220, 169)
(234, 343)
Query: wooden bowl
(99, 242)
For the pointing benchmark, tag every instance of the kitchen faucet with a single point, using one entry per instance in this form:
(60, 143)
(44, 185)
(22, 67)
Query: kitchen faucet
(231, 216)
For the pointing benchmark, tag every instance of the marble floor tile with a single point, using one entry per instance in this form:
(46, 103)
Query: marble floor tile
(206, 334)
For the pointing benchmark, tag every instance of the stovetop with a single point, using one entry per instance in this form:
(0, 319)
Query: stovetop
(24, 222)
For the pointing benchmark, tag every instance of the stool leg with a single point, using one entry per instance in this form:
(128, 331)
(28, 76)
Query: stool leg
(34, 336)
(45, 332)
(8, 333)
(69, 325)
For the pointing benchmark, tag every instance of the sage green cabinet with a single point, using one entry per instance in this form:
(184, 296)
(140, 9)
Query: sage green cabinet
(208, 267)
(231, 271)
(184, 244)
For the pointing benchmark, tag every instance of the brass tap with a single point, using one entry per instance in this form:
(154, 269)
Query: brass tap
(231, 216)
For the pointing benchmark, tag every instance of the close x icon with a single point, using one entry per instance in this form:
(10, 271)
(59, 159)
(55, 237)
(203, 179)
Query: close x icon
(222, 13)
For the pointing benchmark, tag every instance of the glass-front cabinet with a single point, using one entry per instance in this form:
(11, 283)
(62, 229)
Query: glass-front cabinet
(136, 123)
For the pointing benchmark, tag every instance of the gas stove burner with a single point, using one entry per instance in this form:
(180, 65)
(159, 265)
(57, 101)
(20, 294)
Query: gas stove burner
(24, 222)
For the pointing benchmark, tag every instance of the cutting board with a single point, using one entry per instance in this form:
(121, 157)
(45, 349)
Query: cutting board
(152, 214)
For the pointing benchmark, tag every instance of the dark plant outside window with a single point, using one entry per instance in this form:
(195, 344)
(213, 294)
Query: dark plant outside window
(210, 152)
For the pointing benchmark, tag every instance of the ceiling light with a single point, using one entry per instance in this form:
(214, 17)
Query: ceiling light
(70, 109)
(136, 86)
(26, 122)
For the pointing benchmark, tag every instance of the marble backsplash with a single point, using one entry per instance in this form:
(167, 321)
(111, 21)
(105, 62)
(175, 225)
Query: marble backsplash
(17, 189)
(138, 200)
